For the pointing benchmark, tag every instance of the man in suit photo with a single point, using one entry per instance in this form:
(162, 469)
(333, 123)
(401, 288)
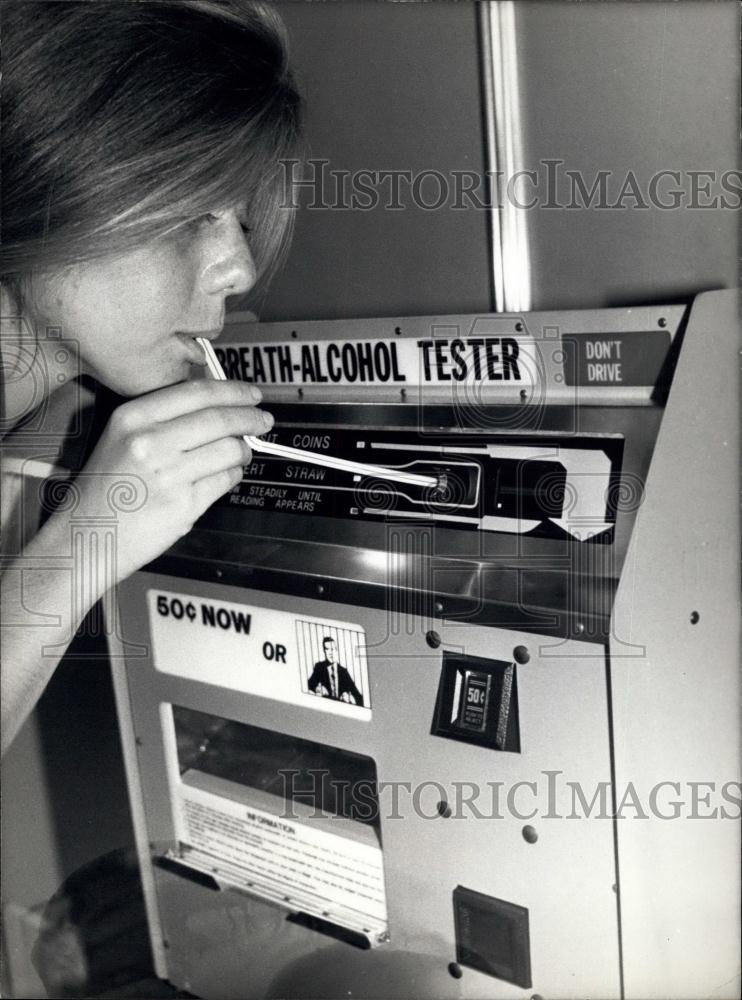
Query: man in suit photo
(331, 680)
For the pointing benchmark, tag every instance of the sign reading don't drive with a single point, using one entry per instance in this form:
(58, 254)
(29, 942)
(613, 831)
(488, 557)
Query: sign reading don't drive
(314, 662)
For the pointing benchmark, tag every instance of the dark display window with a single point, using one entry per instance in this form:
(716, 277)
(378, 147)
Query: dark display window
(478, 702)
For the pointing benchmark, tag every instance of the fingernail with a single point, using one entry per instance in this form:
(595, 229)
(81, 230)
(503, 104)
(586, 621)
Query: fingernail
(268, 419)
(256, 394)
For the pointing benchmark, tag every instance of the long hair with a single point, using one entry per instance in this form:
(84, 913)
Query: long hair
(123, 121)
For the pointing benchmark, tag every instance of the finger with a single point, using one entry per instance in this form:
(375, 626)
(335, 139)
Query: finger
(186, 397)
(208, 490)
(192, 430)
(219, 456)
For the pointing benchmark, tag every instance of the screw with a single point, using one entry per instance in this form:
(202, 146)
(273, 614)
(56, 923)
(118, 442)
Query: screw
(529, 834)
(662, 321)
(694, 617)
(443, 809)
(433, 639)
(521, 654)
(455, 970)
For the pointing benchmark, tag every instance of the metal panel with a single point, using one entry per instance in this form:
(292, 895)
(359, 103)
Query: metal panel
(676, 703)
(655, 713)
(227, 945)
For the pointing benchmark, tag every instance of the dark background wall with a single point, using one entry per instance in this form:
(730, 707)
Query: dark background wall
(625, 86)
(640, 87)
(388, 87)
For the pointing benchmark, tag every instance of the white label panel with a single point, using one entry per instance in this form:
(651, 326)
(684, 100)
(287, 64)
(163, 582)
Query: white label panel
(447, 359)
(314, 662)
(259, 846)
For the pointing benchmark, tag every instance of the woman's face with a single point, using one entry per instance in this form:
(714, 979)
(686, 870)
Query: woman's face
(132, 317)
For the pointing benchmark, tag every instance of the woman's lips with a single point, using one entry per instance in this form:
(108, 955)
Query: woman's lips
(195, 355)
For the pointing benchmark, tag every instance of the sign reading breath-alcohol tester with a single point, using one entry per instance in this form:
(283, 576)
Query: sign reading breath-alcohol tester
(432, 361)
(493, 361)
(314, 662)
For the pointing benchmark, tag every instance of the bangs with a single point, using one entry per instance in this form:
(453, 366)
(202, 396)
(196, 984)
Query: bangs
(138, 117)
(241, 165)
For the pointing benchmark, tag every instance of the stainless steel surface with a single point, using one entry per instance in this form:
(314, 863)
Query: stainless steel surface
(548, 330)
(552, 586)
(138, 816)
(617, 698)
(675, 675)
(226, 945)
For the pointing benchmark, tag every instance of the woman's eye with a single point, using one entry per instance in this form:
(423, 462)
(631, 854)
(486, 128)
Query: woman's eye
(212, 217)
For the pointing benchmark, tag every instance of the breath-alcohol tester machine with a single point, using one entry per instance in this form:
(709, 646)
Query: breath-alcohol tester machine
(470, 740)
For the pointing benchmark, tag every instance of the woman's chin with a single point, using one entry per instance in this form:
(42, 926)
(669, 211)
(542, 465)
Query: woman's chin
(140, 383)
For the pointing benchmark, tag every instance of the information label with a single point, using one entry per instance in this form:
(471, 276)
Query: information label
(483, 486)
(325, 866)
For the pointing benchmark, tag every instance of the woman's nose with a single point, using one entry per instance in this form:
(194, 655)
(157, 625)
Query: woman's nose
(228, 265)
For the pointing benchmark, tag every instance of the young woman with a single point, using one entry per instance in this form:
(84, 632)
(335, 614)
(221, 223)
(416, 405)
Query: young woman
(142, 186)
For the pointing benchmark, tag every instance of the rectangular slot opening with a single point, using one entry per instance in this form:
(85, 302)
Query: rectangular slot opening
(492, 935)
(289, 820)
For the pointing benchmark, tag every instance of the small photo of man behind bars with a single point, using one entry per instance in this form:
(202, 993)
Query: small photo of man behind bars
(332, 663)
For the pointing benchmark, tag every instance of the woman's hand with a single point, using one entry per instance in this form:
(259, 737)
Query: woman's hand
(162, 460)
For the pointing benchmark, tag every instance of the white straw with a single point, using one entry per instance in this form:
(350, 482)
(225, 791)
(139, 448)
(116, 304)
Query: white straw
(312, 457)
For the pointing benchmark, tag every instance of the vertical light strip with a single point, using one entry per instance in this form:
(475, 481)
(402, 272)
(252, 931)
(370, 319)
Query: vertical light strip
(510, 254)
(521, 252)
(492, 159)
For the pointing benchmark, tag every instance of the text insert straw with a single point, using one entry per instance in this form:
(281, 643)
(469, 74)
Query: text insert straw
(312, 457)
